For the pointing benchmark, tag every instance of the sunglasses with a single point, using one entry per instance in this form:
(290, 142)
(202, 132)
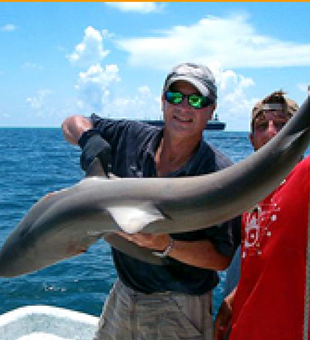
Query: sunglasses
(197, 101)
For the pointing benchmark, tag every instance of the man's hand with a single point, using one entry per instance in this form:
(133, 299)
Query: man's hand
(223, 318)
(150, 241)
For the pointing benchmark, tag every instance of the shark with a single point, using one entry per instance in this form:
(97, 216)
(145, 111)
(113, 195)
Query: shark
(66, 223)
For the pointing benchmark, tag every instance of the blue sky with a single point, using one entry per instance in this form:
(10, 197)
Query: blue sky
(59, 59)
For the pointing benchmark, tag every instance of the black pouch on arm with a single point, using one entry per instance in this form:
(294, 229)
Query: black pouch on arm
(93, 145)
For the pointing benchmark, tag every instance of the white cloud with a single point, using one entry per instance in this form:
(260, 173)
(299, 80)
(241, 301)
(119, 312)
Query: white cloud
(94, 86)
(231, 41)
(8, 28)
(47, 110)
(98, 94)
(5, 115)
(143, 105)
(29, 65)
(90, 50)
(303, 87)
(234, 105)
(139, 7)
(37, 102)
(106, 34)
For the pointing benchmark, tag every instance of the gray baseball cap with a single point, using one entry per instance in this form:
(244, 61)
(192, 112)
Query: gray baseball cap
(199, 76)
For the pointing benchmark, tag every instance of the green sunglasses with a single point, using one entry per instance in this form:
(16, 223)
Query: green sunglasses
(196, 101)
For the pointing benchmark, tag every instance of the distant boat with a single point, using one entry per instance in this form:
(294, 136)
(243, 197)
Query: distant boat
(213, 124)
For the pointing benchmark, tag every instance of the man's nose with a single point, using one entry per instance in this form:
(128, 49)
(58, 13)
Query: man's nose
(272, 128)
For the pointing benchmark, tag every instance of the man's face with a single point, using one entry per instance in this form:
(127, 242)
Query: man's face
(182, 120)
(266, 126)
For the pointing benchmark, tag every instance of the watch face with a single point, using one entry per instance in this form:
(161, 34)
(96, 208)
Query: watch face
(159, 254)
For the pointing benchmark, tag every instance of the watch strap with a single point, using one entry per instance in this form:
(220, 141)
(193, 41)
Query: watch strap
(166, 252)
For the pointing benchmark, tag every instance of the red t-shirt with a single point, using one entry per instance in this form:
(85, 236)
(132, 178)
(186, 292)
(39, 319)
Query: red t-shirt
(270, 300)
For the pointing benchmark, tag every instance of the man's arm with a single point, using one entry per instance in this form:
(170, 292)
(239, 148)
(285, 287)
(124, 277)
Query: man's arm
(223, 319)
(73, 127)
(91, 143)
(201, 254)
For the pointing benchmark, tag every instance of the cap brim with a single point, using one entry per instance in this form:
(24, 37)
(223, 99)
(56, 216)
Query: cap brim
(199, 86)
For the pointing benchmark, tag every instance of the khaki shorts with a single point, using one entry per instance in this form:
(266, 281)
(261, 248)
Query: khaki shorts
(129, 315)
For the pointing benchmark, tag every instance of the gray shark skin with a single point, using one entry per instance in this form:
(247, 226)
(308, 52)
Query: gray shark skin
(66, 223)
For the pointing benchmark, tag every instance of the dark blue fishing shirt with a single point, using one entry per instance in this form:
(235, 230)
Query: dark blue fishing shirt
(134, 145)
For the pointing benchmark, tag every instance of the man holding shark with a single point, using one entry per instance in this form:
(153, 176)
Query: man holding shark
(172, 301)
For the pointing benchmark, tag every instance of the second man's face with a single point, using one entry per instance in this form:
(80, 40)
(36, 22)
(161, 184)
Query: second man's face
(266, 126)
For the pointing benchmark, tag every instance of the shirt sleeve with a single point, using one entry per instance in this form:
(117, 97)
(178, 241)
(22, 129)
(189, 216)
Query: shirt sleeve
(228, 236)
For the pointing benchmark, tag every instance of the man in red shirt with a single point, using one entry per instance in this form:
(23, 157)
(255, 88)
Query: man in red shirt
(270, 300)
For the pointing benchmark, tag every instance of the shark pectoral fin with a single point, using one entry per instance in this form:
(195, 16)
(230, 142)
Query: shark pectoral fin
(112, 176)
(95, 169)
(133, 218)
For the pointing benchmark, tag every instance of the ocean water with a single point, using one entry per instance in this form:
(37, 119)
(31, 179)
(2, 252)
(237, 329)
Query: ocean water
(34, 162)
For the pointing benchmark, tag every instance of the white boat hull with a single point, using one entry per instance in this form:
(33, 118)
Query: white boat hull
(46, 323)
